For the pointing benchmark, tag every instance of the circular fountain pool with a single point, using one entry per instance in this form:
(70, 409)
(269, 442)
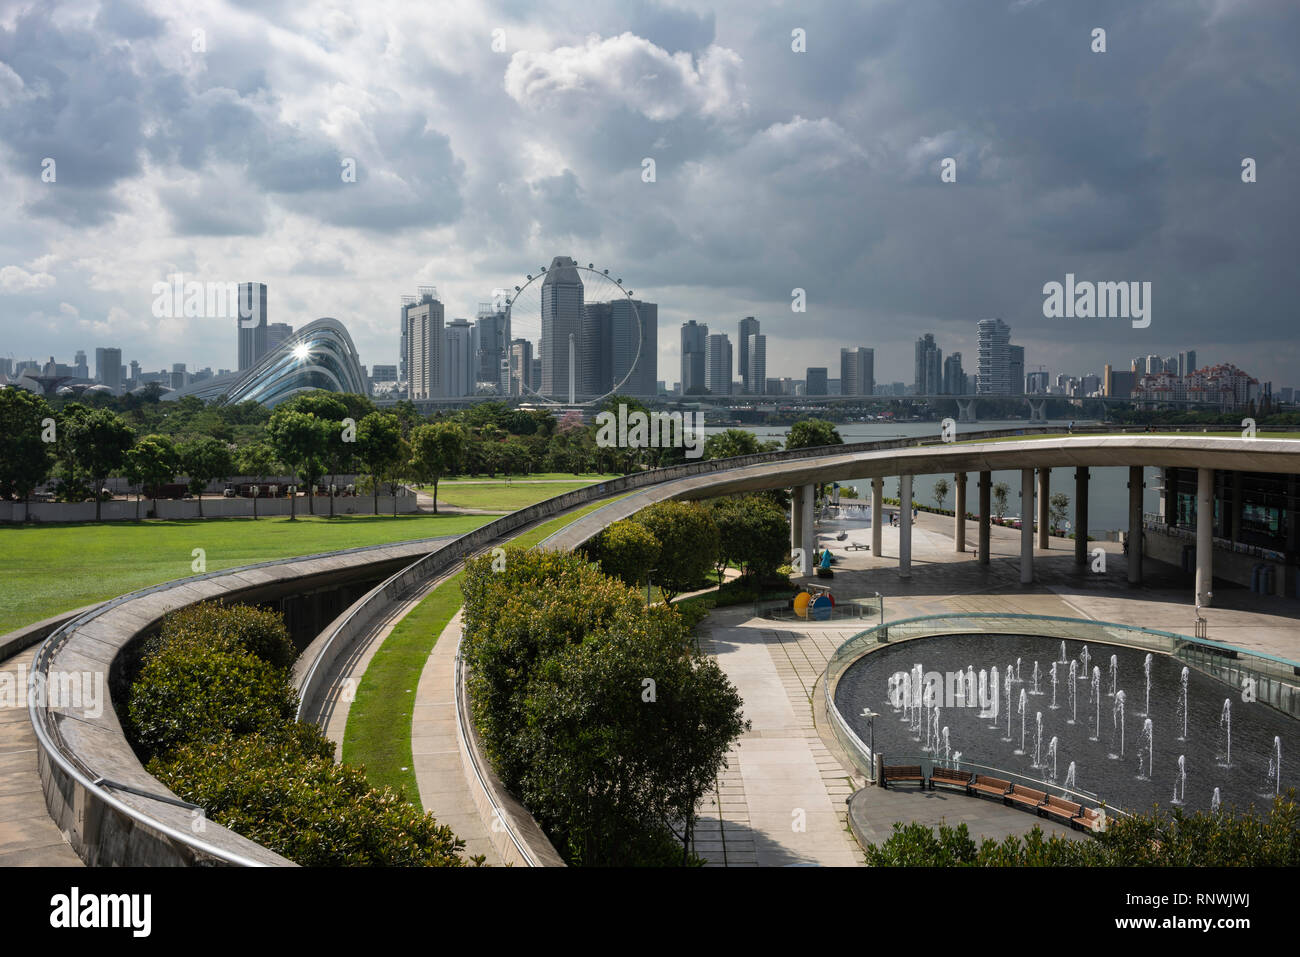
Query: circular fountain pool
(1133, 728)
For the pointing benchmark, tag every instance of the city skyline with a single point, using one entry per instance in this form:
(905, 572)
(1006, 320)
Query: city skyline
(241, 170)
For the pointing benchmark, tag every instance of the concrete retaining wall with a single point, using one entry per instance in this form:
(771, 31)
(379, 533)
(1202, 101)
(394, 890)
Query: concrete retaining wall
(185, 509)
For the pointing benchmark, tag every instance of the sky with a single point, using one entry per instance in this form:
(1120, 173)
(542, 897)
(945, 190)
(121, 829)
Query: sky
(214, 139)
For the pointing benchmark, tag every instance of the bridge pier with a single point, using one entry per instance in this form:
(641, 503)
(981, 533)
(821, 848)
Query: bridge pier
(986, 515)
(966, 410)
(1026, 526)
(877, 514)
(1204, 537)
(1135, 524)
(802, 538)
(1044, 515)
(959, 517)
(1036, 409)
(1081, 515)
(905, 526)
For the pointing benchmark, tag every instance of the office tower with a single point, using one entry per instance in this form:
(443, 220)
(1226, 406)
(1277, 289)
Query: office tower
(492, 346)
(596, 369)
(954, 376)
(423, 321)
(1016, 369)
(403, 347)
(755, 376)
(1187, 362)
(536, 378)
(82, 367)
(6, 366)
(179, 379)
(108, 368)
(927, 375)
(276, 333)
(1036, 383)
(643, 376)
(694, 355)
(520, 380)
(993, 340)
(383, 373)
(134, 376)
(562, 318)
(717, 376)
(251, 324)
(459, 367)
(857, 371)
(815, 381)
(749, 326)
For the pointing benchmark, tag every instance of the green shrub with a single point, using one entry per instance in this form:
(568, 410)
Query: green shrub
(303, 806)
(625, 550)
(229, 628)
(188, 693)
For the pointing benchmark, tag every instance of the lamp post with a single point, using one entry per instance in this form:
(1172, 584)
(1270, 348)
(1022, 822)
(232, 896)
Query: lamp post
(871, 717)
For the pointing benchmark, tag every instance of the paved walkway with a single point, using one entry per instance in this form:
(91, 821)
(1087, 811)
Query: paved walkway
(439, 769)
(28, 837)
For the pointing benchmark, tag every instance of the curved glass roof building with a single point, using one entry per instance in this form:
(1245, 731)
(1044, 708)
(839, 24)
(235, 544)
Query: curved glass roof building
(320, 355)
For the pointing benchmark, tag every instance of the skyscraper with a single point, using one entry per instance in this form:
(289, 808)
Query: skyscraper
(718, 367)
(276, 333)
(815, 381)
(642, 377)
(82, 368)
(749, 326)
(993, 340)
(108, 367)
(927, 375)
(1016, 369)
(458, 359)
(954, 377)
(423, 322)
(521, 367)
(492, 332)
(857, 371)
(562, 317)
(755, 375)
(251, 323)
(1187, 362)
(694, 357)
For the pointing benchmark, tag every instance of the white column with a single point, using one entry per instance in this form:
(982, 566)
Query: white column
(1204, 536)
(796, 528)
(877, 513)
(905, 526)
(1026, 526)
(809, 528)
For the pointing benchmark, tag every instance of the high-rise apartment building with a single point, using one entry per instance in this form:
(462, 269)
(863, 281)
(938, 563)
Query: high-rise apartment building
(718, 364)
(857, 371)
(993, 340)
(423, 322)
(562, 333)
(749, 326)
(755, 374)
(251, 324)
(694, 348)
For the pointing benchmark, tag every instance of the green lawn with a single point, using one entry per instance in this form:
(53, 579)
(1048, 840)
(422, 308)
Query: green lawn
(1236, 434)
(502, 497)
(586, 478)
(46, 569)
(378, 732)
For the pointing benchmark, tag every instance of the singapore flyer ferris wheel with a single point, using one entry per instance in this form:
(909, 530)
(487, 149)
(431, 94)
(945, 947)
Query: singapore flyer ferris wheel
(574, 335)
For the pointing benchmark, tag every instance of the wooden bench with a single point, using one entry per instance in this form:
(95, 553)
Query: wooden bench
(987, 785)
(1026, 797)
(1061, 809)
(1089, 819)
(951, 778)
(901, 772)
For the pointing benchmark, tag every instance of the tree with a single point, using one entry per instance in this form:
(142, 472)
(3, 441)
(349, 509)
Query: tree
(300, 441)
(152, 463)
(436, 449)
(688, 540)
(627, 551)
(940, 492)
(95, 442)
(1000, 490)
(257, 459)
(812, 433)
(331, 409)
(1058, 507)
(204, 460)
(753, 534)
(730, 443)
(379, 445)
(25, 457)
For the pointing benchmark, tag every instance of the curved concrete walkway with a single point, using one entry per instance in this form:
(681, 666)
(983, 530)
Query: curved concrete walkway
(28, 836)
